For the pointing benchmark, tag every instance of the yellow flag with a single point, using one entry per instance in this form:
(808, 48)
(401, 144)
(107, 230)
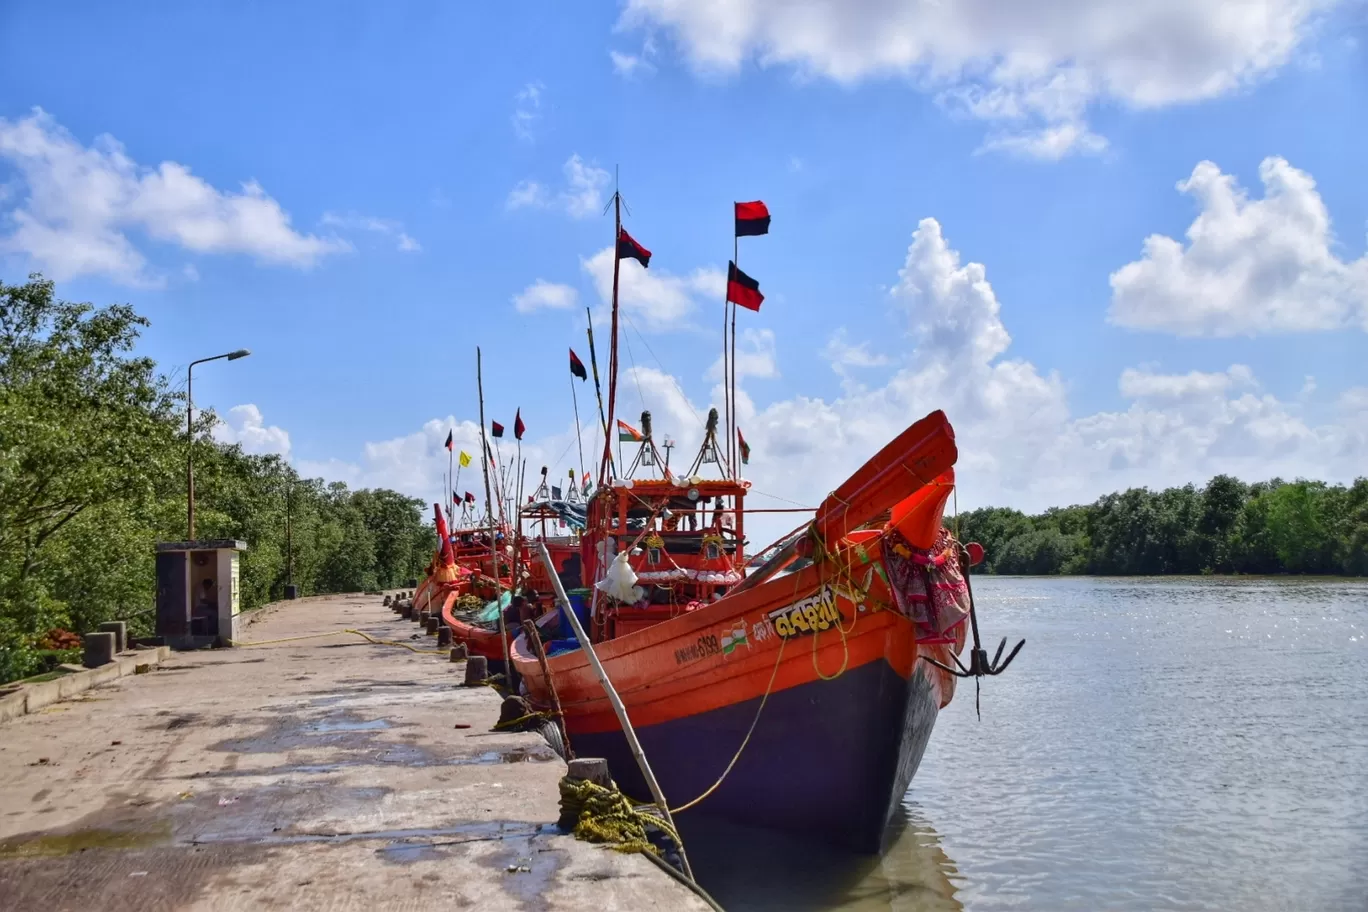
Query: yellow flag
(465, 459)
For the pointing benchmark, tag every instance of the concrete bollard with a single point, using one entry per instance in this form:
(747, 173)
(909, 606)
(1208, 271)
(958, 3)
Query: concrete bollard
(432, 624)
(593, 769)
(459, 652)
(443, 636)
(99, 649)
(477, 669)
(120, 631)
(386, 603)
(404, 609)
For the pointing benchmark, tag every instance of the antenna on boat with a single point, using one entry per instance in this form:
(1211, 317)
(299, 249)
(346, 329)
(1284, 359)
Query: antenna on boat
(710, 451)
(647, 454)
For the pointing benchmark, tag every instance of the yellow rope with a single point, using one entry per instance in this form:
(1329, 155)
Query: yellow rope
(540, 716)
(349, 630)
(606, 816)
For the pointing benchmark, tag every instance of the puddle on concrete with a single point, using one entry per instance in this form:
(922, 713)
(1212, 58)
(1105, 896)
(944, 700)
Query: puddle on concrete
(331, 725)
(516, 755)
(51, 845)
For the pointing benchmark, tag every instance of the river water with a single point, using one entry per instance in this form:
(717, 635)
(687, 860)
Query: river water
(1184, 744)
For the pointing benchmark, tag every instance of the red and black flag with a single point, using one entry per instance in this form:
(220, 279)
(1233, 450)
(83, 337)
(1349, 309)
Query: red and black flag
(455, 498)
(577, 366)
(752, 219)
(470, 498)
(745, 447)
(518, 426)
(448, 443)
(495, 429)
(742, 289)
(627, 248)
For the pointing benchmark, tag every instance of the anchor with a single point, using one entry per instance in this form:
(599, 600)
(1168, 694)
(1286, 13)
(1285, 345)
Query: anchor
(979, 665)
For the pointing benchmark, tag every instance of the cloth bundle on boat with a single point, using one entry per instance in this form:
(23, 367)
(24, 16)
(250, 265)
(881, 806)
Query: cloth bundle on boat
(572, 514)
(928, 583)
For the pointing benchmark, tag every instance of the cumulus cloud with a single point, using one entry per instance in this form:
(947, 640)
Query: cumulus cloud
(392, 229)
(1019, 443)
(245, 426)
(1033, 67)
(78, 206)
(1250, 266)
(581, 197)
(527, 110)
(653, 298)
(755, 356)
(543, 295)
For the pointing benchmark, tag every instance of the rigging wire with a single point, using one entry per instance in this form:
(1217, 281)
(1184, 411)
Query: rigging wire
(673, 381)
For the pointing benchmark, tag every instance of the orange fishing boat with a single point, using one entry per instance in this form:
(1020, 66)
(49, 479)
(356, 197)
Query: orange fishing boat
(795, 700)
(798, 696)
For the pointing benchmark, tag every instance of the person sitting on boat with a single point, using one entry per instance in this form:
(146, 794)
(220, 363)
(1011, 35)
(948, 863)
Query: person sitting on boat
(513, 614)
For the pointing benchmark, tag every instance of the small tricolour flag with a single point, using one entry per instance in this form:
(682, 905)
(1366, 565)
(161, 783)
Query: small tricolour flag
(734, 638)
(628, 434)
(745, 447)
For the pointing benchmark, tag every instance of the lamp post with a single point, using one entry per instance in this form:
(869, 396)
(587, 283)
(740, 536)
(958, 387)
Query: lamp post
(190, 436)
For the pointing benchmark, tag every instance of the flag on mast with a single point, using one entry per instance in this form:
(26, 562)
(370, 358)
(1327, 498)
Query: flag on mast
(495, 429)
(627, 248)
(469, 498)
(742, 290)
(464, 459)
(745, 447)
(518, 427)
(577, 366)
(627, 433)
(752, 219)
(449, 437)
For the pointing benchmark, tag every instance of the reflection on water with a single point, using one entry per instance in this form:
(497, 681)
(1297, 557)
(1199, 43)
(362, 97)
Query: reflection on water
(785, 874)
(1190, 744)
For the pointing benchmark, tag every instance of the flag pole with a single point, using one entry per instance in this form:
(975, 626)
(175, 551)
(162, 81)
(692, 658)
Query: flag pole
(731, 432)
(613, 338)
(493, 545)
(579, 437)
(451, 483)
(598, 389)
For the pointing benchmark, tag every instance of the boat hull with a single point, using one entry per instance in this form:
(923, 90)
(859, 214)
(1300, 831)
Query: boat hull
(830, 759)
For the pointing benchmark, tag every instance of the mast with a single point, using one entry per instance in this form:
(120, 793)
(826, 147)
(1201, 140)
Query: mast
(612, 343)
(493, 542)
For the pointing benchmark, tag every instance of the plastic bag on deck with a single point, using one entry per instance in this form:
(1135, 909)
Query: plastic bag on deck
(620, 581)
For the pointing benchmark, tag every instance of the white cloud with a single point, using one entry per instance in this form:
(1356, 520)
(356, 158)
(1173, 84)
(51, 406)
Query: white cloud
(755, 356)
(629, 65)
(389, 228)
(543, 295)
(1250, 266)
(655, 299)
(82, 202)
(527, 110)
(527, 193)
(245, 426)
(1019, 444)
(581, 198)
(1036, 63)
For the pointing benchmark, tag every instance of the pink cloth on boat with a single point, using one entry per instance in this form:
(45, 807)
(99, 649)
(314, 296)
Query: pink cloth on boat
(928, 585)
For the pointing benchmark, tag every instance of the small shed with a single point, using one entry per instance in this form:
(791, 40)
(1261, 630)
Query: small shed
(197, 592)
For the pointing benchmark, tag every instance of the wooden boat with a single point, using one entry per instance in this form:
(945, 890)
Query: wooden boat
(794, 699)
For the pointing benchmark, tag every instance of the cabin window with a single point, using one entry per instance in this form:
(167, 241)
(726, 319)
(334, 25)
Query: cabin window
(713, 551)
(652, 555)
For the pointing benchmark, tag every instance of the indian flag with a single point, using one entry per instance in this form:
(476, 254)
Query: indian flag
(628, 434)
(735, 638)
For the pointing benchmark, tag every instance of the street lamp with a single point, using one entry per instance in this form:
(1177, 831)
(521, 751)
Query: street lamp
(190, 436)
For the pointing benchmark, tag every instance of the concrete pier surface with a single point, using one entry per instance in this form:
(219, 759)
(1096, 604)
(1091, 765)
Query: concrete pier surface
(322, 774)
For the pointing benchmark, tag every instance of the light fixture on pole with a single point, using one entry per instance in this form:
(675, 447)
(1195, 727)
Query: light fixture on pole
(190, 436)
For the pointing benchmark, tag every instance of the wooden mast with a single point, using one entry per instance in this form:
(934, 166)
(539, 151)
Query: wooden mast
(493, 541)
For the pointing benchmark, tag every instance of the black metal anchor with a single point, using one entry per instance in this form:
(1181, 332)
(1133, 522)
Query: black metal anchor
(979, 666)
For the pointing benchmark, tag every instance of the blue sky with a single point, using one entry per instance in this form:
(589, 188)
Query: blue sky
(392, 145)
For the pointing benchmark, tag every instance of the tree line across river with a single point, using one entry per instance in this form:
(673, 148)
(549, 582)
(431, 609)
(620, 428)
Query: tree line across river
(1228, 526)
(93, 449)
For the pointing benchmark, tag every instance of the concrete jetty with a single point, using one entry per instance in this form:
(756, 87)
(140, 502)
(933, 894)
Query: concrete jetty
(327, 773)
